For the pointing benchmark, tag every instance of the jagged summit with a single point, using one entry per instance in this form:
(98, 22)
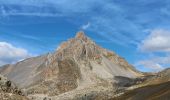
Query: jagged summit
(80, 35)
(82, 47)
(78, 40)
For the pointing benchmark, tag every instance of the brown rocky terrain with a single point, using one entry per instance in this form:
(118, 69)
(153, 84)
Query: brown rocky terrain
(8, 91)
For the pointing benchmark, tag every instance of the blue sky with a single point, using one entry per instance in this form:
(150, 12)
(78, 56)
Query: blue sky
(138, 30)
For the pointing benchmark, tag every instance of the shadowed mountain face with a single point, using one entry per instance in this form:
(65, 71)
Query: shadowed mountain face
(77, 64)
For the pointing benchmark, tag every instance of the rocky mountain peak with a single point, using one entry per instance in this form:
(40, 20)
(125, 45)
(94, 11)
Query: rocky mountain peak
(78, 40)
(82, 48)
(78, 63)
(81, 35)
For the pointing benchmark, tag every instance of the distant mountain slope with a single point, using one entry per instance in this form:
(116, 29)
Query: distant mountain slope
(155, 86)
(78, 63)
(157, 78)
(150, 92)
(25, 72)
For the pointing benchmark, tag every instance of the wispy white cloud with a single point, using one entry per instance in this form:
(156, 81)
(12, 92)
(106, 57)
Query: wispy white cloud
(2, 10)
(49, 7)
(155, 63)
(109, 21)
(157, 41)
(162, 60)
(150, 65)
(85, 26)
(114, 28)
(11, 54)
(31, 14)
(8, 10)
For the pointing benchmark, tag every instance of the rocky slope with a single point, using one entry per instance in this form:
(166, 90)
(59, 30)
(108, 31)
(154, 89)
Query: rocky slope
(8, 91)
(78, 64)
